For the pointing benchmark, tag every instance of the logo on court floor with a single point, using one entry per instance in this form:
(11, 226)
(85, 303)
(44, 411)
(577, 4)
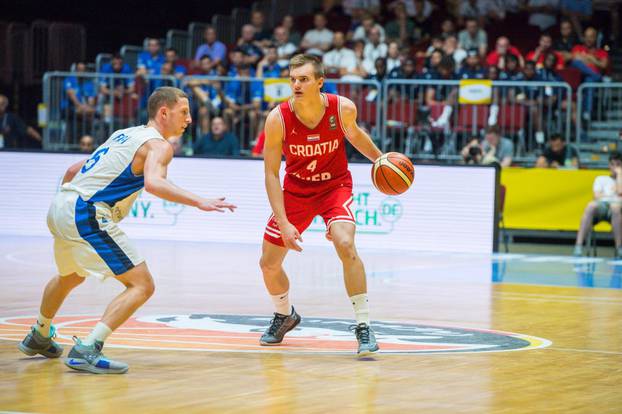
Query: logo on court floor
(240, 333)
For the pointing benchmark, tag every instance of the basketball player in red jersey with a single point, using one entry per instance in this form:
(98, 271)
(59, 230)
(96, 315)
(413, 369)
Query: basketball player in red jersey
(310, 129)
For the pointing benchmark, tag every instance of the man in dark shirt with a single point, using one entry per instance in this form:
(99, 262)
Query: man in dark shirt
(218, 141)
(14, 133)
(558, 154)
(566, 41)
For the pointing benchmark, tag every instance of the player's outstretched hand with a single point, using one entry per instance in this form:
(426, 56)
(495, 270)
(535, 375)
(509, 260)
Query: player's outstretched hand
(216, 204)
(290, 234)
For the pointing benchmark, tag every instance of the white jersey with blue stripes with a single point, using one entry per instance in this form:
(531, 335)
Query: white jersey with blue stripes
(106, 178)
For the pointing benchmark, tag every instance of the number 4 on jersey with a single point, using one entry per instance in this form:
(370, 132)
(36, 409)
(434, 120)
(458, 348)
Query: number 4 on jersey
(312, 165)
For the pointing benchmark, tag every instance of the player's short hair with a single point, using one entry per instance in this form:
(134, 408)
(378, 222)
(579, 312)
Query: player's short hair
(165, 95)
(302, 59)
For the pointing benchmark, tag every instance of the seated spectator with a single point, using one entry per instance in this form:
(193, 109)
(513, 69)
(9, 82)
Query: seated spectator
(215, 49)
(401, 28)
(544, 48)
(117, 87)
(592, 62)
(380, 70)
(472, 152)
(368, 23)
(374, 49)
(319, 39)
(294, 36)
(150, 61)
(14, 133)
(450, 48)
(341, 61)
(473, 37)
(394, 58)
(431, 64)
(359, 51)
(448, 28)
(87, 144)
(606, 206)
(503, 49)
(445, 95)
(474, 9)
(408, 70)
(252, 54)
(531, 97)
(80, 94)
(424, 25)
(558, 154)
(262, 34)
(170, 56)
(218, 141)
(542, 13)
(494, 148)
(284, 48)
(566, 40)
(208, 94)
(472, 68)
(548, 72)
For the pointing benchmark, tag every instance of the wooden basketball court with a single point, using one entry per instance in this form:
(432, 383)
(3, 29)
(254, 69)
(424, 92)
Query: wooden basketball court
(545, 336)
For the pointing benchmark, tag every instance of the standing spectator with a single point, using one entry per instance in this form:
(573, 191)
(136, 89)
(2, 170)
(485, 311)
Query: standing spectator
(566, 40)
(543, 13)
(246, 43)
(494, 148)
(262, 34)
(294, 36)
(374, 49)
(319, 39)
(502, 49)
(150, 61)
(545, 47)
(558, 154)
(14, 133)
(401, 28)
(606, 206)
(341, 61)
(368, 23)
(87, 144)
(170, 56)
(218, 141)
(284, 48)
(473, 37)
(215, 49)
(592, 62)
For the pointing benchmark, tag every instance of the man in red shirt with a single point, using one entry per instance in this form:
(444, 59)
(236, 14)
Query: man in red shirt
(502, 49)
(310, 129)
(544, 48)
(592, 62)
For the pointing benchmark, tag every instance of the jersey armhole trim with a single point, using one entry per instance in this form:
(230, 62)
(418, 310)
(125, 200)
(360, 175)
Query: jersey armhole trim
(343, 129)
(282, 119)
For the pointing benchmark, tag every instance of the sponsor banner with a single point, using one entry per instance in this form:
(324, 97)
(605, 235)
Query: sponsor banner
(447, 209)
(276, 90)
(475, 91)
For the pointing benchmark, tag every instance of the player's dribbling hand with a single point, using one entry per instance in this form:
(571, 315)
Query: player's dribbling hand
(289, 234)
(216, 204)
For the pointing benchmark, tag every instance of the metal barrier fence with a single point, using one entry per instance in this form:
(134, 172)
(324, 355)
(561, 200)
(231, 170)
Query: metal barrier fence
(244, 103)
(599, 114)
(94, 104)
(523, 111)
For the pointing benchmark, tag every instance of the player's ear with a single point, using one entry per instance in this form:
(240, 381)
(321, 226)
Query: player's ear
(321, 82)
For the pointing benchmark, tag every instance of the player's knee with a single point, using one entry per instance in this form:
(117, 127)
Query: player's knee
(345, 247)
(146, 288)
(591, 207)
(268, 267)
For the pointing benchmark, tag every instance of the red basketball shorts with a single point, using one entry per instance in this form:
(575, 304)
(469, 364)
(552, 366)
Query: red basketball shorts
(333, 206)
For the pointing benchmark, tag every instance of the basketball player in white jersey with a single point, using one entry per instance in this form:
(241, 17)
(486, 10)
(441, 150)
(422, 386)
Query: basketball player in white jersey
(95, 195)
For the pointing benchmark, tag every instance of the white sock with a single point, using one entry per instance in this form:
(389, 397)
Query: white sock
(281, 303)
(361, 308)
(43, 325)
(100, 333)
(443, 120)
(494, 112)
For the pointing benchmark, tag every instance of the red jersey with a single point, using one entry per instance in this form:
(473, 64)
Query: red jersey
(315, 159)
(597, 53)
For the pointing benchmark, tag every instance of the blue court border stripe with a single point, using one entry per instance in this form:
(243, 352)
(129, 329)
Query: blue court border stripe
(100, 240)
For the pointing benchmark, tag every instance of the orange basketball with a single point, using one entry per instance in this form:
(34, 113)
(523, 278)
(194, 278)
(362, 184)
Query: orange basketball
(393, 173)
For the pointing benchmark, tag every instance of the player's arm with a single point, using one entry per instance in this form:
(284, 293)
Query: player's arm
(273, 148)
(158, 155)
(72, 171)
(357, 137)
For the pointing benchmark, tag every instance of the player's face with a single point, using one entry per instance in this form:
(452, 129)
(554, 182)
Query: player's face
(178, 117)
(303, 81)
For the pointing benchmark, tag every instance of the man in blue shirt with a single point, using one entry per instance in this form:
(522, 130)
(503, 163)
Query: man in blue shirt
(218, 141)
(471, 68)
(171, 57)
(80, 93)
(215, 49)
(151, 60)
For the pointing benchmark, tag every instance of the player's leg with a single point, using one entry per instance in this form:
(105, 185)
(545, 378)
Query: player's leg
(616, 227)
(40, 338)
(285, 318)
(87, 355)
(587, 220)
(342, 234)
